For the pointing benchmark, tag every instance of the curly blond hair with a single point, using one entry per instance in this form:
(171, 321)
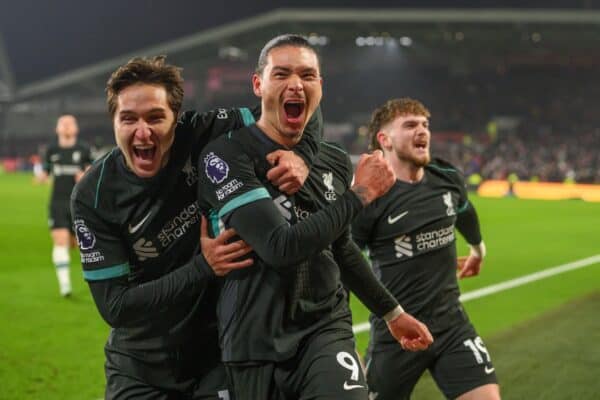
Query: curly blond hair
(391, 110)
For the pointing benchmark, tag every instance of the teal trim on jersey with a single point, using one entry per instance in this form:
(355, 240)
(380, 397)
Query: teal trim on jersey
(248, 197)
(100, 180)
(247, 116)
(213, 219)
(434, 166)
(464, 207)
(106, 273)
(62, 265)
(333, 146)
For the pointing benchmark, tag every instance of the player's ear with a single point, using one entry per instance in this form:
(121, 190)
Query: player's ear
(384, 140)
(256, 85)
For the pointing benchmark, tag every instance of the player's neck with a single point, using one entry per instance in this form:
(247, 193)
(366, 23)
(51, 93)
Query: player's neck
(66, 143)
(406, 171)
(274, 134)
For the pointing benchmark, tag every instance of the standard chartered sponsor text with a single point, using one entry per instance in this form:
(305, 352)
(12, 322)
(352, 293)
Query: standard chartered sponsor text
(435, 239)
(179, 225)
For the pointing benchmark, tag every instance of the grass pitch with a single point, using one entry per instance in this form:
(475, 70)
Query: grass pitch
(52, 348)
(553, 357)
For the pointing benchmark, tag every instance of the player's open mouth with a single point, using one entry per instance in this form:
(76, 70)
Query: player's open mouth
(294, 110)
(144, 153)
(421, 145)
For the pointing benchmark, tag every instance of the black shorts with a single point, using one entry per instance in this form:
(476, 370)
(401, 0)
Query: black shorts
(127, 378)
(326, 367)
(458, 361)
(60, 215)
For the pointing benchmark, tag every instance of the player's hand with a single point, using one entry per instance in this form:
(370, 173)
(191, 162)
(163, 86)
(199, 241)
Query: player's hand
(373, 177)
(289, 171)
(468, 266)
(411, 333)
(41, 178)
(221, 255)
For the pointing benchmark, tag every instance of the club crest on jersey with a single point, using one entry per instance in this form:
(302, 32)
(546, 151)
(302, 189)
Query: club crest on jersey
(85, 237)
(328, 181)
(76, 156)
(216, 169)
(448, 202)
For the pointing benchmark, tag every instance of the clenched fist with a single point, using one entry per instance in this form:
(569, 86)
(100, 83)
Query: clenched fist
(373, 177)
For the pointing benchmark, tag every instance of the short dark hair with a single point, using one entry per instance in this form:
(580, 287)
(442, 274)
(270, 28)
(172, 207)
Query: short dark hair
(391, 110)
(288, 39)
(152, 71)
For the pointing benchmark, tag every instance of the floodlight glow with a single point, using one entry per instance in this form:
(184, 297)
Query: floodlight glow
(406, 41)
(317, 40)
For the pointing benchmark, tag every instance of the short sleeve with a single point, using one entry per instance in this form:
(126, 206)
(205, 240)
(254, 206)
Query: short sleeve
(227, 179)
(103, 254)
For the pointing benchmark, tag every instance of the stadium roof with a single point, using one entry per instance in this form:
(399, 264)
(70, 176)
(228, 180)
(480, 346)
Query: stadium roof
(43, 39)
(461, 40)
(555, 36)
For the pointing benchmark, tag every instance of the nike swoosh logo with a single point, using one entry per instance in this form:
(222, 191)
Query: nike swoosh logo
(350, 387)
(134, 229)
(489, 370)
(396, 218)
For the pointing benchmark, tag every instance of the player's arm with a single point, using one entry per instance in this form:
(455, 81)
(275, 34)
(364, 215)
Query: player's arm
(44, 174)
(357, 275)
(84, 164)
(106, 269)
(365, 221)
(86, 157)
(123, 305)
(467, 223)
(47, 161)
(280, 244)
(355, 271)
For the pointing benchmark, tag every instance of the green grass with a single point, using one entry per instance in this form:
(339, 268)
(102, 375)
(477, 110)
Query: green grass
(52, 348)
(553, 357)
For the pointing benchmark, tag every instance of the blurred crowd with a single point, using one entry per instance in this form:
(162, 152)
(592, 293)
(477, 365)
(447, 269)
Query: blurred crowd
(536, 156)
(520, 122)
(532, 155)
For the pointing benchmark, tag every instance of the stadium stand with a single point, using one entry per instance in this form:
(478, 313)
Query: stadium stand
(510, 96)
